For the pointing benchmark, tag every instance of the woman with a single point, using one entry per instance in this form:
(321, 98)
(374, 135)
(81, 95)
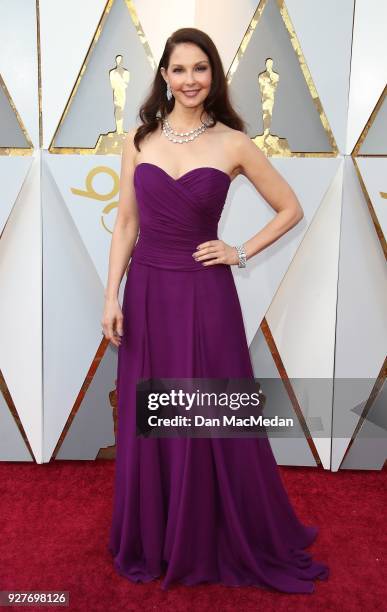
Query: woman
(198, 509)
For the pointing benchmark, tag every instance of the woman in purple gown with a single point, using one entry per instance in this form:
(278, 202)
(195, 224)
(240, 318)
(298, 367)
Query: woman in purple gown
(190, 509)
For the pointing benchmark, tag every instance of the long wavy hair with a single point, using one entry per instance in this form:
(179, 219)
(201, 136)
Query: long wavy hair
(217, 104)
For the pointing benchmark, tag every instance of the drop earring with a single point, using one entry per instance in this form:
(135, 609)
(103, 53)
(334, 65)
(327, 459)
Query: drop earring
(169, 92)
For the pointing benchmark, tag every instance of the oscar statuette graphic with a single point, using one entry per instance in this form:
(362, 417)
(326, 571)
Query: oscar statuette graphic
(267, 142)
(119, 80)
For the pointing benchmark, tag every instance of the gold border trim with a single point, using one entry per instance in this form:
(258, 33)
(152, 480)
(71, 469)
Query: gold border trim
(12, 408)
(80, 397)
(39, 74)
(289, 389)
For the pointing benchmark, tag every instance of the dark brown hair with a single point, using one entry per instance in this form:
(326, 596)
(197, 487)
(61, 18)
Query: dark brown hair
(217, 104)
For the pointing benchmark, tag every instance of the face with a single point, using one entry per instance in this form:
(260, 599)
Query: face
(188, 74)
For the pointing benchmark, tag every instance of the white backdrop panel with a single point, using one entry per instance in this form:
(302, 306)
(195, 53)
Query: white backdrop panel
(72, 310)
(160, 19)
(13, 172)
(21, 307)
(71, 172)
(361, 335)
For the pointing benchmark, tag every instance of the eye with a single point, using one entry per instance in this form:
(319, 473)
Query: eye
(200, 68)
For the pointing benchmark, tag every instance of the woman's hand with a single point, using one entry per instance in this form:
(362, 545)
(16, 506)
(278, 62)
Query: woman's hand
(112, 322)
(216, 252)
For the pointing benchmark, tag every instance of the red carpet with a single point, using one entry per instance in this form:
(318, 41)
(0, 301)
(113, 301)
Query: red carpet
(54, 529)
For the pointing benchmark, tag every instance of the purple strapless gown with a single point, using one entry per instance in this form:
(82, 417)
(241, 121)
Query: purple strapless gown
(194, 509)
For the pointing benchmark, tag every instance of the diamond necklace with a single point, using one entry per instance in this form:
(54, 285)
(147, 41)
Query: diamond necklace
(187, 136)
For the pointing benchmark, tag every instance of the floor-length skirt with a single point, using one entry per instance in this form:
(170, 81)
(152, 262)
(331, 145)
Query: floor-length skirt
(196, 510)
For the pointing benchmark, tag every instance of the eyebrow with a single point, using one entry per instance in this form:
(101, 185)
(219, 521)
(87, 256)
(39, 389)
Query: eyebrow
(200, 62)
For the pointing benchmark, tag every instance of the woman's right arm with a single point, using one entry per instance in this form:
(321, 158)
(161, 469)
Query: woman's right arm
(124, 238)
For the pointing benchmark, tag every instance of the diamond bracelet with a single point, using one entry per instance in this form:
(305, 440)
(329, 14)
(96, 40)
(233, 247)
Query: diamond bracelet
(242, 256)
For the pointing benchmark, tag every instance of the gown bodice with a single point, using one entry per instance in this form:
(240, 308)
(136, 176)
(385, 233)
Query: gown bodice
(176, 215)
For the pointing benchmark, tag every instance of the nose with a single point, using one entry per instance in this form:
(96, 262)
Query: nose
(190, 77)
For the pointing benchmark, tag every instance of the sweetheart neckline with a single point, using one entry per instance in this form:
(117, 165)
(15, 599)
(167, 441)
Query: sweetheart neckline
(176, 180)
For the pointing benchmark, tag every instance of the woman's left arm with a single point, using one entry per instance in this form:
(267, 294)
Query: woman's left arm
(273, 188)
(254, 164)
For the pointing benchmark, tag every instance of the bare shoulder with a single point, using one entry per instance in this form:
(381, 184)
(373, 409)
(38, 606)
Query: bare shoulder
(239, 147)
(237, 140)
(129, 138)
(246, 154)
(225, 130)
(129, 150)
